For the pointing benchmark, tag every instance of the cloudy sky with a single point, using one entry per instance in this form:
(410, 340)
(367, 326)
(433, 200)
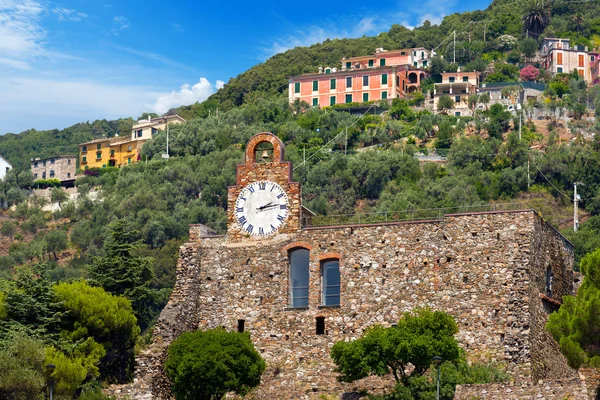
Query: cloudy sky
(63, 62)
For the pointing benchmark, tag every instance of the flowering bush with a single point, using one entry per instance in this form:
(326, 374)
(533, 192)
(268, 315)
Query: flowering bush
(529, 73)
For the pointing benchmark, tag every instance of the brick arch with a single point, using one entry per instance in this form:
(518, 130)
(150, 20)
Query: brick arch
(330, 256)
(296, 245)
(255, 140)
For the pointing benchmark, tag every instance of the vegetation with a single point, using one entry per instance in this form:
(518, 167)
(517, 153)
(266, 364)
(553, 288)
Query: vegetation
(208, 365)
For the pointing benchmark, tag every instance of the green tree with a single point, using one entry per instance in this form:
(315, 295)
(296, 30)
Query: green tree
(121, 272)
(8, 228)
(575, 326)
(96, 317)
(445, 103)
(419, 336)
(535, 18)
(528, 47)
(207, 365)
(56, 241)
(58, 195)
(21, 369)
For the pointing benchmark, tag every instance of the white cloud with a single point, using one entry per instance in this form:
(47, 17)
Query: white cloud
(186, 95)
(120, 23)
(47, 104)
(66, 14)
(20, 32)
(219, 84)
(177, 27)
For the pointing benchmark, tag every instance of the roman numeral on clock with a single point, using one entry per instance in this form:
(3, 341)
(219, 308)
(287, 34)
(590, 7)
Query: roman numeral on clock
(261, 231)
(280, 218)
(280, 195)
(262, 185)
(251, 189)
(250, 228)
(239, 209)
(283, 207)
(242, 220)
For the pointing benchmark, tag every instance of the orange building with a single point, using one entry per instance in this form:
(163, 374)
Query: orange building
(383, 75)
(559, 56)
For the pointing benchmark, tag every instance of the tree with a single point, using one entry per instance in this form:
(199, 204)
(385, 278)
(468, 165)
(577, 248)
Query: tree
(419, 335)
(8, 228)
(207, 365)
(58, 195)
(535, 18)
(575, 326)
(21, 370)
(472, 101)
(529, 47)
(445, 103)
(96, 317)
(56, 241)
(120, 272)
(485, 99)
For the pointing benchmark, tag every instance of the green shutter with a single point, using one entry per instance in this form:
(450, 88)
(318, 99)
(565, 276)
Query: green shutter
(370, 63)
(297, 87)
(384, 79)
(383, 95)
(332, 100)
(315, 86)
(382, 62)
(348, 98)
(348, 65)
(315, 102)
(365, 97)
(332, 83)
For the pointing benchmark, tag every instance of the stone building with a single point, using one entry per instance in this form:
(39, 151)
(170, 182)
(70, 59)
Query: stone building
(299, 289)
(59, 167)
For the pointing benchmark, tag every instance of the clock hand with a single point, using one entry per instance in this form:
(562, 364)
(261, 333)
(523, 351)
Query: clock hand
(265, 206)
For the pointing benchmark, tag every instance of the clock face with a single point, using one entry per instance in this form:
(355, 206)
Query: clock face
(261, 208)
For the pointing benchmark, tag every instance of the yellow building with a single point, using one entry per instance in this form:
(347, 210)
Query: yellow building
(120, 151)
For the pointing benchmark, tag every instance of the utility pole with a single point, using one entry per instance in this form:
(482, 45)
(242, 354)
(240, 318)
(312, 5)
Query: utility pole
(528, 155)
(346, 144)
(519, 127)
(575, 207)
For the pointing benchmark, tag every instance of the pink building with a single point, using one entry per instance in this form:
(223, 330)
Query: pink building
(383, 75)
(594, 67)
(558, 56)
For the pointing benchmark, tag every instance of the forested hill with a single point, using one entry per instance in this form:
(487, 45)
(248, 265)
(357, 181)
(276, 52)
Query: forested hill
(18, 149)
(478, 32)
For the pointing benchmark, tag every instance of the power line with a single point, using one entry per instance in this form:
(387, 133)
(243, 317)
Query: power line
(547, 180)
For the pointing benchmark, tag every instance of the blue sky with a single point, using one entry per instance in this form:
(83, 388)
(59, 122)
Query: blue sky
(63, 62)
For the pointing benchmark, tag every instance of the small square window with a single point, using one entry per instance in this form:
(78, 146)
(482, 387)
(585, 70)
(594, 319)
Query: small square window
(98, 146)
(365, 97)
(451, 79)
(43, 175)
(129, 148)
(348, 65)
(382, 62)
(83, 149)
(348, 98)
(457, 114)
(559, 69)
(52, 161)
(98, 155)
(457, 99)
(83, 159)
(51, 173)
(371, 63)
(296, 87)
(35, 165)
(69, 161)
(315, 86)
(35, 176)
(112, 152)
(68, 174)
(465, 79)
(327, 70)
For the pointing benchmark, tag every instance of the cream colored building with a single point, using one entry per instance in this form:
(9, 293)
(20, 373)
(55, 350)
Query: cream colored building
(146, 129)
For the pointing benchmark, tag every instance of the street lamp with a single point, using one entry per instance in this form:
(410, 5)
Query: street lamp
(437, 360)
(50, 369)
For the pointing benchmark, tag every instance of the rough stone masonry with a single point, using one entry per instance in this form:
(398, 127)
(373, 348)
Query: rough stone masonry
(499, 274)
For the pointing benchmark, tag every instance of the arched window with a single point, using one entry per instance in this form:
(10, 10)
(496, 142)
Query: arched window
(299, 265)
(330, 282)
(549, 281)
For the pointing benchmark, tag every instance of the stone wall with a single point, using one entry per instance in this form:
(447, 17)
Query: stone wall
(484, 269)
(571, 389)
(60, 167)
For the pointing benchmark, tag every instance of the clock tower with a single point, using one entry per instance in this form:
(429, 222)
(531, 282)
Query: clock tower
(264, 203)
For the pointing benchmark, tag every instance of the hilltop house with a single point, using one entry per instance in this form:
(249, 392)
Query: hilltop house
(558, 56)
(459, 86)
(119, 151)
(5, 166)
(381, 76)
(59, 167)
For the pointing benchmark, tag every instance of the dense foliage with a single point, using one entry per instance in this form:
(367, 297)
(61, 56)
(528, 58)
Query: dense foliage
(208, 365)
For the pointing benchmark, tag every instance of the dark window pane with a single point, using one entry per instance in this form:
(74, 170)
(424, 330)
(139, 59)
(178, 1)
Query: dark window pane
(331, 282)
(299, 260)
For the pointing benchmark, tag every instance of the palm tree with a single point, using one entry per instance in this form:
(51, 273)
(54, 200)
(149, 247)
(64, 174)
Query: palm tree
(578, 19)
(535, 18)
